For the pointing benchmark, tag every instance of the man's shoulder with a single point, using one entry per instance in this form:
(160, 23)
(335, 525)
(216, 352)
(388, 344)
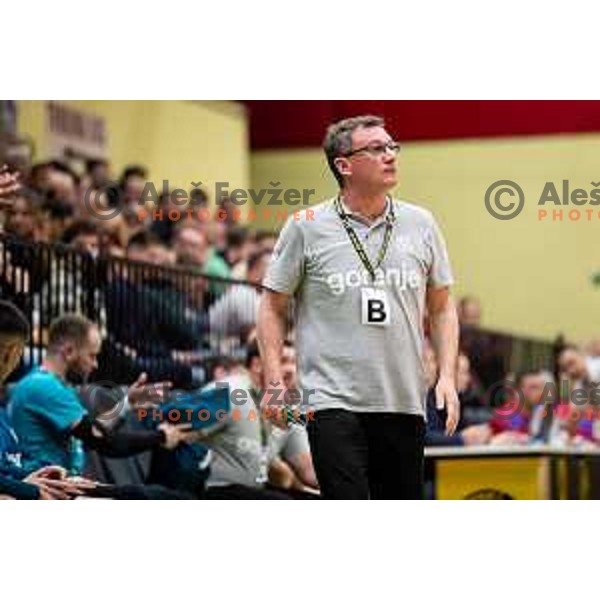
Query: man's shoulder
(32, 380)
(313, 215)
(35, 383)
(419, 214)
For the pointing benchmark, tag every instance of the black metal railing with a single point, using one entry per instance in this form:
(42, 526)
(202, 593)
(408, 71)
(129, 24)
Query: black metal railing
(172, 322)
(495, 355)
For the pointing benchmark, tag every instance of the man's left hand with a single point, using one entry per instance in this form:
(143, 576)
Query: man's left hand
(446, 397)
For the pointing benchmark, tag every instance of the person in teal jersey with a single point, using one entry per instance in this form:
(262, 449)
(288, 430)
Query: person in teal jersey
(49, 418)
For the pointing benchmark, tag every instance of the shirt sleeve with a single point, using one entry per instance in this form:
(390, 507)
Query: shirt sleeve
(58, 405)
(286, 268)
(440, 271)
(296, 443)
(18, 489)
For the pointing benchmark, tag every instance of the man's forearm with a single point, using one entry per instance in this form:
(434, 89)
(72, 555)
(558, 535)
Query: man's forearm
(18, 489)
(444, 338)
(270, 333)
(116, 444)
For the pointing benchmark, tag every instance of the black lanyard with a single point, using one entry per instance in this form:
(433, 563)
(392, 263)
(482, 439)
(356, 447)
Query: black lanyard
(360, 249)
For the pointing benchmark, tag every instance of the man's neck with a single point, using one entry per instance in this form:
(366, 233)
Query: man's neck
(369, 206)
(54, 364)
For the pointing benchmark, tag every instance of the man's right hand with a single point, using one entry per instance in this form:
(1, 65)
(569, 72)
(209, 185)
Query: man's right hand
(52, 489)
(53, 483)
(49, 472)
(48, 493)
(176, 434)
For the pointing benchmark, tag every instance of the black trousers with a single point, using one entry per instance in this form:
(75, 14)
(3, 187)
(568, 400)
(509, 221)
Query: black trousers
(367, 455)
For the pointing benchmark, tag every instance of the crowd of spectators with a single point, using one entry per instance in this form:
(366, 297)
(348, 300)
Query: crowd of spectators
(200, 306)
(555, 403)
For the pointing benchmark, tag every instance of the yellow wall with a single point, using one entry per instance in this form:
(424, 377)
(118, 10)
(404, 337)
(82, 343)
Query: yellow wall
(182, 141)
(533, 277)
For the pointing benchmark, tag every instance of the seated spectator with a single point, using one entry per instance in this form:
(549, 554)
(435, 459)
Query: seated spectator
(488, 352)
(469, 311)
(82, 236)
(266, 240)
(57, 215)
(98, 171)
(23, 265)
(292, 468)
(435, 433)
(529, 421)
(56, 179)
(229, 209)
(218, 231)
(472, 404)
(193, 250)
(234, 313)
(15, 481)
(164, 227)
(48, 417)
(245, 447)
(9, 183)
(222, 367)
(151, 322)
(22, 217)
(580, 369)
(522, 424)
(71, 282)
(240, 247)
(198, 198)
(133, 181)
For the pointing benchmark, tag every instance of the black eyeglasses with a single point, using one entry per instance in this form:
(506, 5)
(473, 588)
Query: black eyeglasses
(376, 149)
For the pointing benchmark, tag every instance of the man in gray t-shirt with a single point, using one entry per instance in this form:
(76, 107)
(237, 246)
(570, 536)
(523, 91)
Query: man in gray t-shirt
(247, 450)
(363, 272)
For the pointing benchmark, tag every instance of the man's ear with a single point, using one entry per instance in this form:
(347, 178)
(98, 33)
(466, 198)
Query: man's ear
(67, 350)
(342, 165)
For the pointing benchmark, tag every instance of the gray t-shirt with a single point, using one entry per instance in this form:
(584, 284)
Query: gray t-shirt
(344, 363)
(243, 446)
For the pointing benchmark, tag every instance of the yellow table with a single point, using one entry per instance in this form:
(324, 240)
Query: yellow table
(519, 473)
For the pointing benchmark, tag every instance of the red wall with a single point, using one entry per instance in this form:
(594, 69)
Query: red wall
(302, 123)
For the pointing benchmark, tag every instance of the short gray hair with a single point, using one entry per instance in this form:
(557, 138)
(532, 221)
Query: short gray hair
(338, 139)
